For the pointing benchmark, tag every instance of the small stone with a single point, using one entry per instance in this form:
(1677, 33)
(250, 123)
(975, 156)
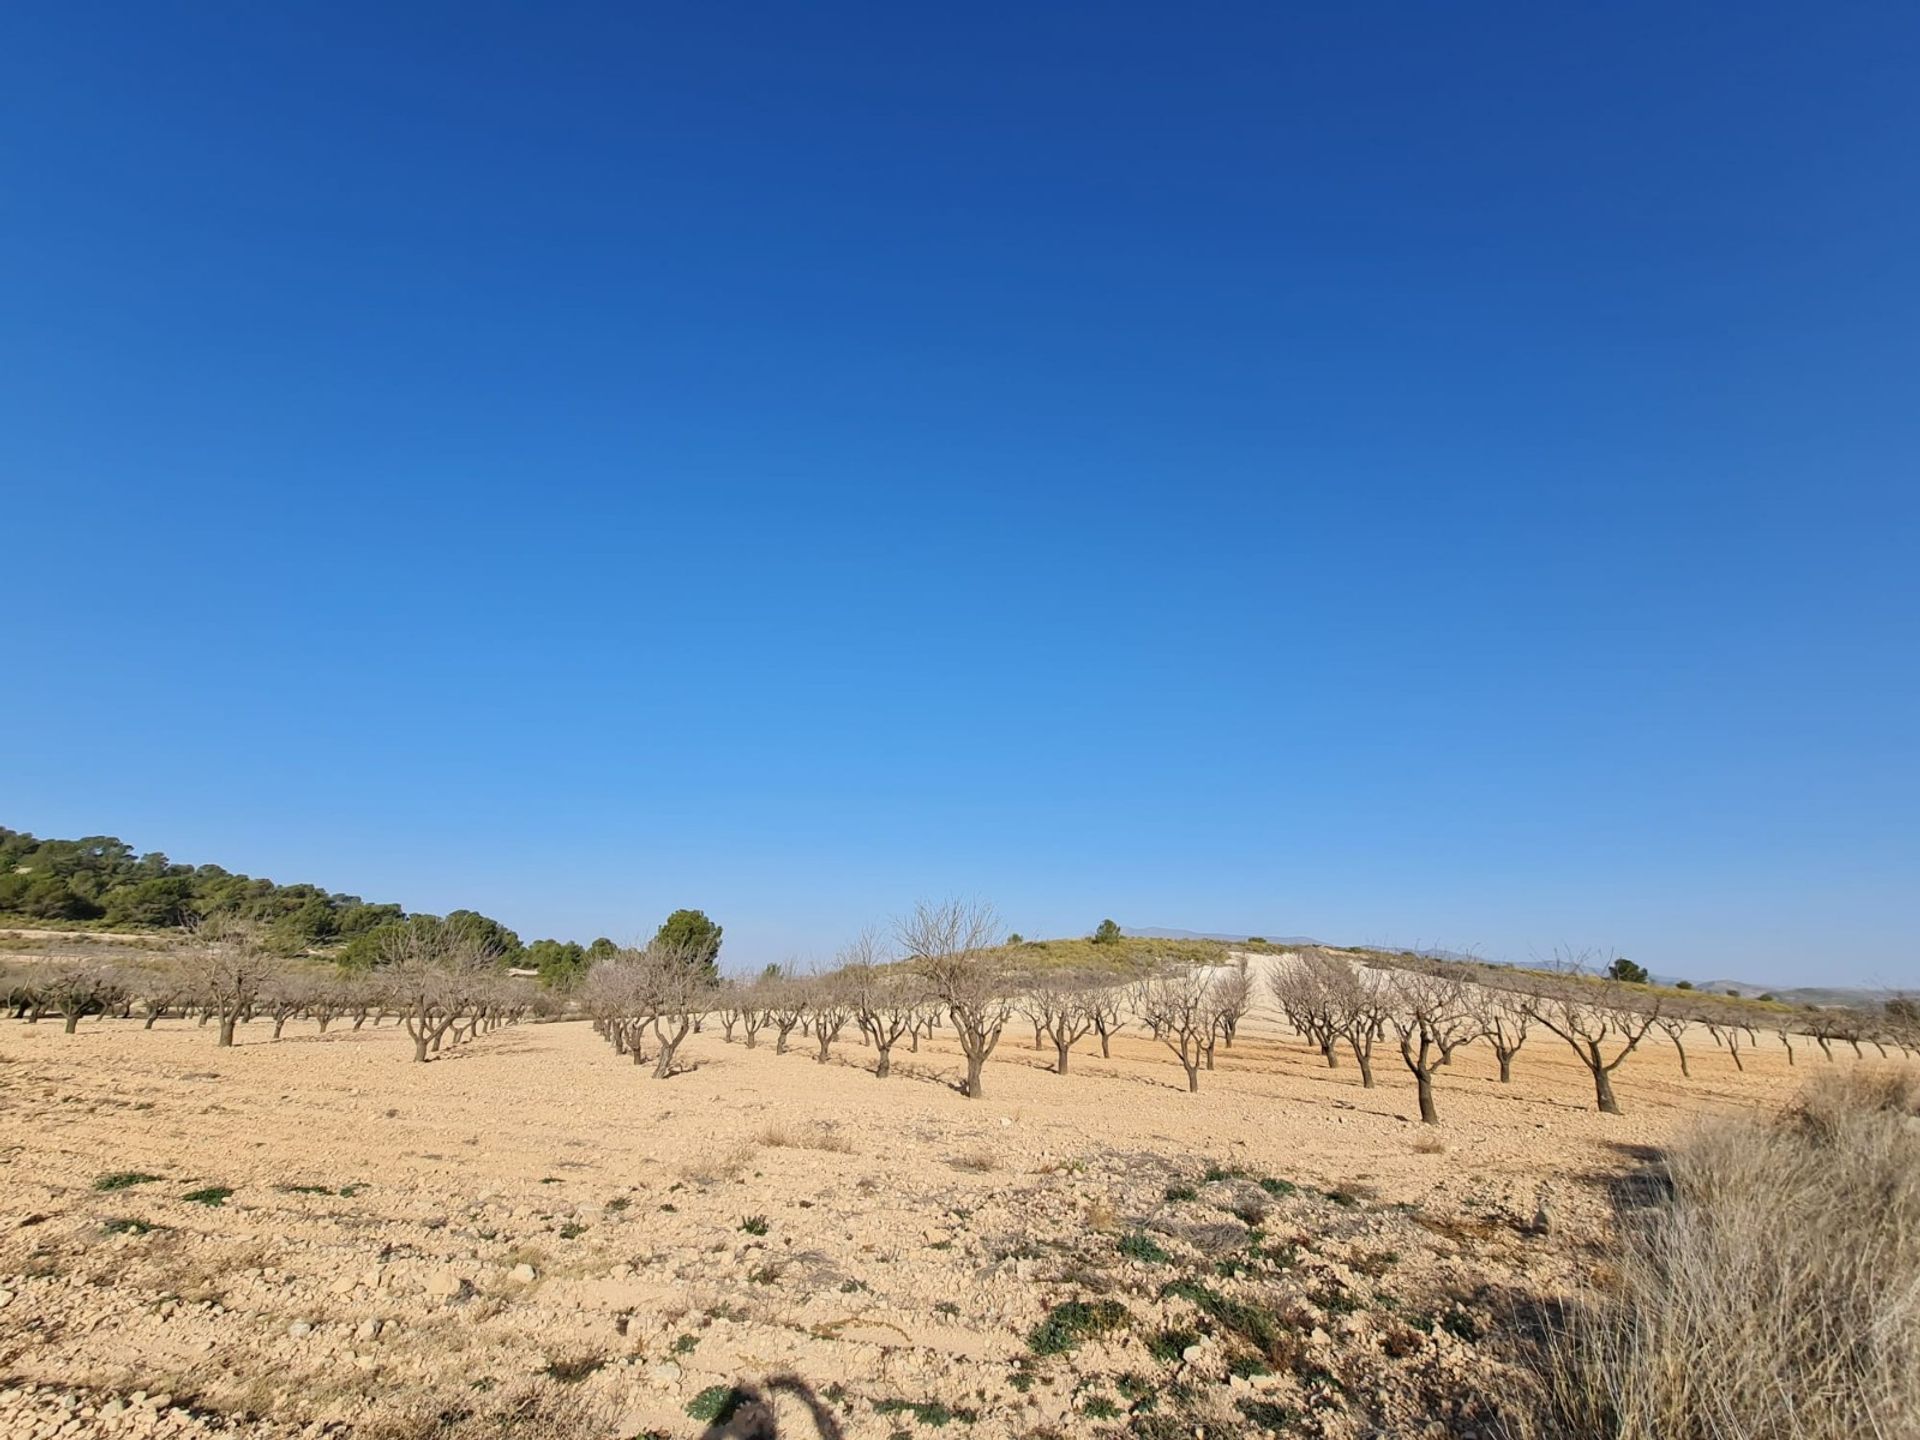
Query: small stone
(113, 1409)
(1542, 1222)
(299, 1328)
(6, 1298)
(367, 1330)
(523, 1272)
(665, 1373)
(445, 1282)
(1193, 1353)
(344, 1285)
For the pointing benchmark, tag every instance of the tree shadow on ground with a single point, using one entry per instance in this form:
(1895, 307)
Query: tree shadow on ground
(748, 1413)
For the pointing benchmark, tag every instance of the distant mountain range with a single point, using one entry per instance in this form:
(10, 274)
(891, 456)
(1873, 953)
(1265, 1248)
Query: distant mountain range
(1852, 995)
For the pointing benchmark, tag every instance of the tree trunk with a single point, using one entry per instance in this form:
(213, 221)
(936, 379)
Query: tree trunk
(151, 1017)
(1681, 1051)
(1060, 1048)
(1192, 1068)
(885, 1066)
(420, 1048)
(1603, 1091)
(1506, 1066)
(974, 1066)
(73, 1023)
(1333, 1055)
(279, 1024)
(1365, 1061)
(226, 1031)
(1423, 1080)
(1105, 1052)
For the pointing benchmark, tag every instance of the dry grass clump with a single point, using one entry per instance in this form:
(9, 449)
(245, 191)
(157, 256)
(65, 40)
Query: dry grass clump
(1773, 1293)
(717, 1165)
(538, 1412)
(811, 1136)
(979, 1160)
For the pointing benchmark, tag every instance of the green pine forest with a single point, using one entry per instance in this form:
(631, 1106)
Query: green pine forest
(101, 882)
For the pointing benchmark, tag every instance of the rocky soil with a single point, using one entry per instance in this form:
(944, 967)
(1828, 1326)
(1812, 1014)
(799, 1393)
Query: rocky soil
(530, 1237)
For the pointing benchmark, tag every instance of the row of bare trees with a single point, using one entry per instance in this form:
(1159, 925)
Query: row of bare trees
(442, 985)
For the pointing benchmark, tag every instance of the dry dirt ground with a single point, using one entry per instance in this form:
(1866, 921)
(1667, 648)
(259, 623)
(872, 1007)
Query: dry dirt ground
(530, 1236)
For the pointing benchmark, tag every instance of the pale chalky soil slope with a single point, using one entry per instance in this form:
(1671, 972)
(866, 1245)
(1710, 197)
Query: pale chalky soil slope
(533, 1207)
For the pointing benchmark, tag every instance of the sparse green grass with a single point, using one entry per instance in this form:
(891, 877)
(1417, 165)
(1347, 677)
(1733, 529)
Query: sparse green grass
(212, 1195)
(1073, 1322)
(931, 1413)
(685, 1344)
(126, 1225)
(1168, 1345)
(125, 1180)
(1268, 1415)
(1140, 1246)
(715, 1404)
(1278, 1187)
(1176, 1193)
(572, 1230)
(754, 1224)
(1099, 1407)
(1253, 1323)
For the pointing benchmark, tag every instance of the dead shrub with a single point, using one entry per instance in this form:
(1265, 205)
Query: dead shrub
(1768, 1293)
(717, 1165)
(810, 1136)
(980, 1159)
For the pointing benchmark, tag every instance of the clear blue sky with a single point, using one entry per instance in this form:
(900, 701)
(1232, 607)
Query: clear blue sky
(1395, 473)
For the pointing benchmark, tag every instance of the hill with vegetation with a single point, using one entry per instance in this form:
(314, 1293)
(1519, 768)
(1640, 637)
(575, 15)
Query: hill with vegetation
(101, 882)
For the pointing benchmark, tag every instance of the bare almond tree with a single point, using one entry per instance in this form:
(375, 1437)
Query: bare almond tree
(1302, 991)
(1594, 1014)
(226, 967)
(831, 998)
(430, 973)
(1357, 1002)
(74, 989)
(679, 992)
(1428, 1010)
(1232, 999)
(1106, 1006)
(1674, 1025)
(786, 1000)
(1176, 1001)
(1060, 1003)
(729, 1003)
(1506, 1021)
(887, 1000)
(286, 995)
(954, 945)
